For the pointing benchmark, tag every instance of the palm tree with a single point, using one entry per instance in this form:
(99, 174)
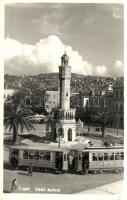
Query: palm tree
(103, 118)
(17, 118)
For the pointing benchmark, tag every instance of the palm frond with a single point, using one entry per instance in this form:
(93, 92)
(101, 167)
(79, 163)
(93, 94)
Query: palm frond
(17, 118)
(27, 124)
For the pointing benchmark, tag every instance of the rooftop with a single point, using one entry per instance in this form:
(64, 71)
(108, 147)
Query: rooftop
(118, 83)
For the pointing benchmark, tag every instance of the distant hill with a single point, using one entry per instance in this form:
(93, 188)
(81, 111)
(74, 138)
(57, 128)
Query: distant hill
(50, 81)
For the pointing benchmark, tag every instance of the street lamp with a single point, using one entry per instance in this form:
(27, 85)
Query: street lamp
(60, 132)
(117, 120)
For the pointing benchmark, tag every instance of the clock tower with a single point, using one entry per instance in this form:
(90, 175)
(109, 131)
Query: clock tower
(66, 125)
(65, 77)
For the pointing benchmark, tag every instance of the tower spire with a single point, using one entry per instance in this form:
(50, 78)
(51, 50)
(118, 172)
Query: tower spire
(65, 50)
(64, 59)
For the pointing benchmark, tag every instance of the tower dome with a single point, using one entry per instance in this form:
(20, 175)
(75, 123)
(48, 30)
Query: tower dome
(64, 59)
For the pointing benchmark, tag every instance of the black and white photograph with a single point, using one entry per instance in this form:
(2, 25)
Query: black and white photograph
(63, 121)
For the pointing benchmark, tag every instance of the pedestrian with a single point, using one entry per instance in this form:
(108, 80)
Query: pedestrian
(30, 170)
(14, 185)
(88, 129)
(86, 167)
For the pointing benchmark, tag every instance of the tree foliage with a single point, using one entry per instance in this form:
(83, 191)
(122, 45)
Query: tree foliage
(97, 118)
(17, 119)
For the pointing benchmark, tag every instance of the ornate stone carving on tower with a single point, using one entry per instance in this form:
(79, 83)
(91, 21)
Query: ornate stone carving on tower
(65, 126)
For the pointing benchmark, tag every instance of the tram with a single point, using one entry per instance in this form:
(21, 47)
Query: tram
(86, 160)
(99, 159)
(41, 158)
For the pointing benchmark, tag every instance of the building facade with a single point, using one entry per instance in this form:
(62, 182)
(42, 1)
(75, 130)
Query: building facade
(118, 108)
(112, 100)
(52, 100)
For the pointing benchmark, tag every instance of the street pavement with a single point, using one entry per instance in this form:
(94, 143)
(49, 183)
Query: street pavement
(116, 188)
(42, 182)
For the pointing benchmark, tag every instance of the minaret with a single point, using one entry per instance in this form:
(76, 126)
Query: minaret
(65, 77)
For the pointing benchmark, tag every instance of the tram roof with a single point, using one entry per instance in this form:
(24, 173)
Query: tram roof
(43, 147)
(78, 147)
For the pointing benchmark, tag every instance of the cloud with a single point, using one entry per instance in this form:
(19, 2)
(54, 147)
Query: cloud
(118, 68)
(54, 23)
(118, 12)
(45, 57)
(101, 70)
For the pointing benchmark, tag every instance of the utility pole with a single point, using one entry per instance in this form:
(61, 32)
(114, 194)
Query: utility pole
(117, 120)
(60, 131)
(59, 140)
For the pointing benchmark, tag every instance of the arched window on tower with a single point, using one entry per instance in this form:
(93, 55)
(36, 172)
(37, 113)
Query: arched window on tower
(66, 116)
(70, 116)
(69, 134)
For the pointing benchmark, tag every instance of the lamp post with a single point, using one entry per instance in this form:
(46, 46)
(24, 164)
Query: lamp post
(60, 131)
(117, 120)
(59, 140)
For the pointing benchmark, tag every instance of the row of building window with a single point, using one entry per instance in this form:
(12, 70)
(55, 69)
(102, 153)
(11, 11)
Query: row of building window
(106, 156)
(68, 116)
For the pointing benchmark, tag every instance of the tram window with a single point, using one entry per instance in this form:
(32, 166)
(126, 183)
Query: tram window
(31, 155)
(105, 156)
(42, 155)
(122, 155)
(36, 155)
(100, 156)
(94, 157)
(25, 155)
(47, 155)
(118, 156)
(111, 156)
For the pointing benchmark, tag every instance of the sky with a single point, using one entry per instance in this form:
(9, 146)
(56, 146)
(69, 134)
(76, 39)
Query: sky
(37, 35)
